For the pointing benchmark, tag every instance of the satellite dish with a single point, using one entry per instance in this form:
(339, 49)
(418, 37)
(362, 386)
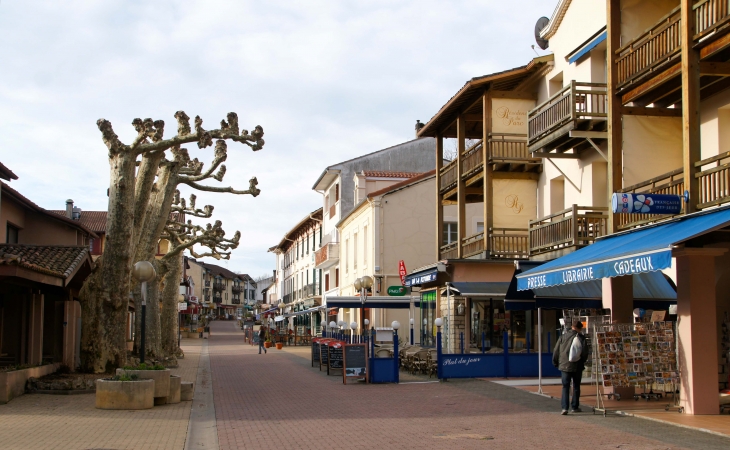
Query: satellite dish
(539, 26)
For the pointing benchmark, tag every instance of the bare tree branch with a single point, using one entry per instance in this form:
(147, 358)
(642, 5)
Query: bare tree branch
(252, 190)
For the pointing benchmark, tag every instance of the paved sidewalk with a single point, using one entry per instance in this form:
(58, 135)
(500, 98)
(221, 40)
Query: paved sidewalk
(277, 400)
(36, 421)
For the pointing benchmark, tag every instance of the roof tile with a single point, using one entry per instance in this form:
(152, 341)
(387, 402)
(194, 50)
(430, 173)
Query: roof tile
(390, 174)
(58, 261)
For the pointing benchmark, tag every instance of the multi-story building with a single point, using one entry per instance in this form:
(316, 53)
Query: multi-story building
(219, 291)
(337, 186)
(299, 282)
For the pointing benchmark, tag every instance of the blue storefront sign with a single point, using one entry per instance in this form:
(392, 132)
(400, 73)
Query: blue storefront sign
(614, 267)
(417, 279)
(646, 204)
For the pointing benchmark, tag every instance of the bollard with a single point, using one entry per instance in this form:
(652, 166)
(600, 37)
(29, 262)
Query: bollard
(528, 342)
(484, 341)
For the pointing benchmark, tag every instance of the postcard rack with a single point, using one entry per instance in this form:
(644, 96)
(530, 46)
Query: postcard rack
(639, 356)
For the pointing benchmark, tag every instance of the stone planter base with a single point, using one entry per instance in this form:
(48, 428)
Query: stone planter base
(161, 378)
(175, 386)
(186, 391)
(12, 384)
(125, 394)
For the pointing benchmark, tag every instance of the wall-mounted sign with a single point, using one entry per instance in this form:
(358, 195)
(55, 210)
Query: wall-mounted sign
(420, 278)
(646, 203)
(397, 291)
(182, 307)
(402, 272)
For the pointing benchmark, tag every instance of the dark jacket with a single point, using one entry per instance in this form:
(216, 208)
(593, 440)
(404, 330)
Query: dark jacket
(262, 333)
(561, 353)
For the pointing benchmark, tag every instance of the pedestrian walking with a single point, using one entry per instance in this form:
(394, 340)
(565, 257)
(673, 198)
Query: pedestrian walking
(569, 356)
(262, 336)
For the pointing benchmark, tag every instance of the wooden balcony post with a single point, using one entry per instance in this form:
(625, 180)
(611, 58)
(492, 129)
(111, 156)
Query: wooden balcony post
(488, 192)
(574, 224)
(615, 127)
(460, 183)
(573, 104)
(439, 197)
(690, 104)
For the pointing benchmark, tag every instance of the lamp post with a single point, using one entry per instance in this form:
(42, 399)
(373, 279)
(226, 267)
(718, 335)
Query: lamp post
(438, 322)
(143, 272)
(411, 321)
(396, 325)
(366, 327)
(353, 327)
(425, 330)
(332, 328)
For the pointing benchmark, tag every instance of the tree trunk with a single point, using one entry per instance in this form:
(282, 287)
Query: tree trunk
(105, 296)
(170, 294)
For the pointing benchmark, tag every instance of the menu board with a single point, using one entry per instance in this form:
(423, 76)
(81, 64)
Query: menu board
(355, 361)
(323, 360)
(637, 354)
(335, 357)
(315, 353)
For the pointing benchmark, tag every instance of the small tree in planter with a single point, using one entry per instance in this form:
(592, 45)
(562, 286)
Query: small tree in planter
(158, 373)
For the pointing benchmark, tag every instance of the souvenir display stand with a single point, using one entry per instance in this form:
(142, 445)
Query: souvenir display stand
(627, 357)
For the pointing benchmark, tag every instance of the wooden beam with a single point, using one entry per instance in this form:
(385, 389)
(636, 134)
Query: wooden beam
(589, 134)
(440, 203)
(513, 94)
(515, 176)
(644, 111)
(473, 117)
(721, 69)
(487, 187)
(652, 83)
(615, 127)
(690, 104)
(460, 184)
(474, 191)
(547, 155)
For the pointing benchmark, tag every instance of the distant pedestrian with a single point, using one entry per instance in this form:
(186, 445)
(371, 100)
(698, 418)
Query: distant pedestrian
(262, 336)
(569, 356)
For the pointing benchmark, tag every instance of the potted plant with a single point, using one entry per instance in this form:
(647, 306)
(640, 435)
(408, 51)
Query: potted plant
(267, 343)
(125, 392)
(156, 372)
(279, 345)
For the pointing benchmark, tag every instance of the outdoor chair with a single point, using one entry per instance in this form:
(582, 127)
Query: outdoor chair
(420, 360)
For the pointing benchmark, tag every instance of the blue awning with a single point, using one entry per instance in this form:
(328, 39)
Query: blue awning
(422, 277)
(480, 289)
(632, 252)
(593, 43)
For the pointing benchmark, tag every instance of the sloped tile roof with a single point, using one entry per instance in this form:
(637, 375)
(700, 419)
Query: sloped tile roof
(93, 220)
(6, 173)
(55, 260)
(390, 174)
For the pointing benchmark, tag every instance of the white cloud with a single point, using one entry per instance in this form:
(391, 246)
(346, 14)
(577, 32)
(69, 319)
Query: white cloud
(328, 80)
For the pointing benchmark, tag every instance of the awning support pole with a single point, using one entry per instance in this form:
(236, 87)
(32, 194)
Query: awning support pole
(539, 350)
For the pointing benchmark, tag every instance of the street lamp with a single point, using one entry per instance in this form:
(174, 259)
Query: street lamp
(143, 272)
(411, 322)
(362, 285)
(353, 326)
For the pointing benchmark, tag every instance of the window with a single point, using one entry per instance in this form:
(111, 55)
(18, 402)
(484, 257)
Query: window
(347, 255)
(327, 282)
(11, 236)
(354, 251)
(450, 233)
(365, 245)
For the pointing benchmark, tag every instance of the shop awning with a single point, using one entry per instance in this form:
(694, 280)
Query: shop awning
(299, 313)
(652, 290)
(373, 302)
(480, 289)
(632, 252)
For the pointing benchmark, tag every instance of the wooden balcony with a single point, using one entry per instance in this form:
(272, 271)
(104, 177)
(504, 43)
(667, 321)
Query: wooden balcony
(448, 176)
(508, 153)
(472, 245)
(649, 68)
(472, 161)
(671, 183)
(449, 251)
(569, 119)
(511, 243)
(570, 228)
(714, 180)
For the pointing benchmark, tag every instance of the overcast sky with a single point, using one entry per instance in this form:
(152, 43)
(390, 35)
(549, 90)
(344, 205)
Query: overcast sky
(327, 80)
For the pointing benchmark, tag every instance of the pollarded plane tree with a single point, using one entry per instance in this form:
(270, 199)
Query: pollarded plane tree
(142, 187)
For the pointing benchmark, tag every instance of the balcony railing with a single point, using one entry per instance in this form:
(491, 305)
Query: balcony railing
(448, 176)
(449, 251)
(287, 298)
(310, 290)
(218, 286)
(236, 289)
(714, 181)
(671, 183)
(575, 101)
(511, 147)
(508, 243)
(206, 297)
(236, 300)
(329, 253)
(207, 283)
(472, 161)
(217, 299)
(472, 245)
(573, 227)
(661, 44)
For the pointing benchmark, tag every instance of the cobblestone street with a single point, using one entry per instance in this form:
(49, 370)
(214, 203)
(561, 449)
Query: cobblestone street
(258, 406)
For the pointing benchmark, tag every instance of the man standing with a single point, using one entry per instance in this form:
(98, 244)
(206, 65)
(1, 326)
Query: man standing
(262, 337)
(569, 356)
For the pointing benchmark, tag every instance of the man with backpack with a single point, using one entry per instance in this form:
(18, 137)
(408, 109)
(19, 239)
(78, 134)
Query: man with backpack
(262, 337)
(569, 356)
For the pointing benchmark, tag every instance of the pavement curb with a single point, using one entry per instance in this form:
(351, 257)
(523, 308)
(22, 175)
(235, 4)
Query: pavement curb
(202, 426)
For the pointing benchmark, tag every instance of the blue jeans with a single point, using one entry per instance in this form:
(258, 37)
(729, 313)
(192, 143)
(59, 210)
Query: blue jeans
(261, 346)
(575, 377)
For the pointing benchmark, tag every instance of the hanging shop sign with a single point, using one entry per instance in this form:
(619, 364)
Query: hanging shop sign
(402, 272)
(647, 203)
(397, 291)
(417, 279)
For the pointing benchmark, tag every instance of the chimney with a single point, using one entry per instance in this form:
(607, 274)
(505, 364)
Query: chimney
(76, 214)
(70, 209)
(419, 125)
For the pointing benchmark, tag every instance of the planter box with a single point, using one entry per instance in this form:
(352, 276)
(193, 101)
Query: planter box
(175, 386)
(161, 378)
(193, 335)
(186, 391)
(12, 384)
(125, 394)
